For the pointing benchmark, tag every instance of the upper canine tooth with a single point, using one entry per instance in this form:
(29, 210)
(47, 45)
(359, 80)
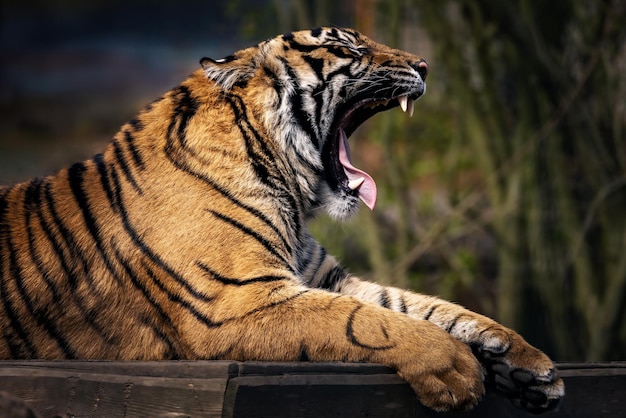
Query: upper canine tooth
(356, 183)
(403, 102)
(410, 107)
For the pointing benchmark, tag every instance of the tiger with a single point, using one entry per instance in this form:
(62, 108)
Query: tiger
(187, 237)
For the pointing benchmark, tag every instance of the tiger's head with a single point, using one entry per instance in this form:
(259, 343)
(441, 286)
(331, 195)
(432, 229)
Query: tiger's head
(311, 90)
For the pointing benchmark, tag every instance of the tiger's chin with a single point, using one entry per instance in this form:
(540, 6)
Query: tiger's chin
(338, 204)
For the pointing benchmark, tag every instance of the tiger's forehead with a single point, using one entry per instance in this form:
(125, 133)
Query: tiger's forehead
(324, 35)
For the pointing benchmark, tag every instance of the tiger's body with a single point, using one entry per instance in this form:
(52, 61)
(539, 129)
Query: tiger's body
(186, 238)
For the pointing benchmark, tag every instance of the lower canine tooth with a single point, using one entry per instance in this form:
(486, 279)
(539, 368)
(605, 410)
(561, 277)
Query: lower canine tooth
(403, 102)
(410, 107)
(356, 183)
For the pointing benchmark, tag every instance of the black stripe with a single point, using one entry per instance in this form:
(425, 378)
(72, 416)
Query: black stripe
(452, 324)
(250, 232)
(75, 177)
(430, 312)
(136, 124)
(71, 256)
(322, 258)
(292, 44)
(15, 337)
(104, 180)
(174, 297)
(68, 251)
(225, 193)
(340, 51)
(14, 342)
(403, 307)
(237, 282)
(162, 315)
(330, 279)
(3, 204)
(273, 304)
(489, 328)
(257, 149)
(134, 152)
(316, 64)
(297, 107)
(305, 257)
(354, 340)
(264, 163)
(304, 355)
(32, 195)
(121, 160)
(21, 345)
(147, 251)
(32, 208)
(318, 96)
(343, 91)
(384, 298)
(186, 107)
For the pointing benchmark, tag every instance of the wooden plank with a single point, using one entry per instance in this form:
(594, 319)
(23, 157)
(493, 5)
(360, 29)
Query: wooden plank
(260, 368)
(319, 396)
(179, 368)
(360, 390)
(330, 395)
(131, 389)
(594, 390)
(255, 389)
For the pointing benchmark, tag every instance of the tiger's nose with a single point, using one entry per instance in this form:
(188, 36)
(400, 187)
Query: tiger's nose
(421, 67)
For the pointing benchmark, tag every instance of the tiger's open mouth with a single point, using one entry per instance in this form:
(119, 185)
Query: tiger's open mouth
(341, 173)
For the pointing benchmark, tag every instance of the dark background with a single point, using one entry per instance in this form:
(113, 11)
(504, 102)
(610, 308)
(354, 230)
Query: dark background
(72, 71)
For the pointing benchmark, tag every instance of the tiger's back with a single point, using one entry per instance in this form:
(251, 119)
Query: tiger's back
(88, 245)
(187, 237)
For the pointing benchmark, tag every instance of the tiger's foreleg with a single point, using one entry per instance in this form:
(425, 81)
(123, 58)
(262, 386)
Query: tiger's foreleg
(519, 370)
(295, 322)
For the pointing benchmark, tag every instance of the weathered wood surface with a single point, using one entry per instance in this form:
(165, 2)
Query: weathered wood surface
(255, 389)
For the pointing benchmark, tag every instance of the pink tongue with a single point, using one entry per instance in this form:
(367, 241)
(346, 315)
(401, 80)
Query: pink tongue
(367, 190)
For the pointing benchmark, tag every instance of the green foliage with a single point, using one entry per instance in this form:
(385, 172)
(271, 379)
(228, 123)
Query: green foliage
(507, 190)
(541, 97)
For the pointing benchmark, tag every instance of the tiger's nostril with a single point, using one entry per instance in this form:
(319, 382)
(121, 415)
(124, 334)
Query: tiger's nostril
(422, 68)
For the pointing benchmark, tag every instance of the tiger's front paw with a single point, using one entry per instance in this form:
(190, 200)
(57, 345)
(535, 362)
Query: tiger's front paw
(518, 370)
(447, 377)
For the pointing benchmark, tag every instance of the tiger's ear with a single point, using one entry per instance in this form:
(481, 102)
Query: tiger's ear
(232, 70)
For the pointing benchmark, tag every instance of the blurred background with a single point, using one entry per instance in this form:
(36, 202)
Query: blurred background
(506, 192)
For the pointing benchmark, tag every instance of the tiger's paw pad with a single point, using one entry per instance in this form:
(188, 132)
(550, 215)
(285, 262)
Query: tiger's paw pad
(525, 375)
(533, 392)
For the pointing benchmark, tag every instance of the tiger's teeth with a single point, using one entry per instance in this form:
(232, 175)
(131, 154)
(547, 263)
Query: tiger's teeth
(356, 183)
(410, 107)
(403, 102)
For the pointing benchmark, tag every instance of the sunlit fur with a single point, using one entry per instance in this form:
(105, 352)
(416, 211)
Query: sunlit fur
(186, 238)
